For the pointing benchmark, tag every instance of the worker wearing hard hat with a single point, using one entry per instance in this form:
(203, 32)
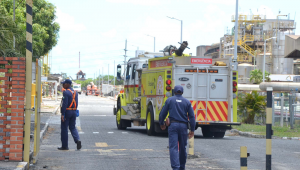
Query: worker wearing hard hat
(178, 107)
(68, 115)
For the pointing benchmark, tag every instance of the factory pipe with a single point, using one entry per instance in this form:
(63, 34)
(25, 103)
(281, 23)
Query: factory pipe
(279, 86)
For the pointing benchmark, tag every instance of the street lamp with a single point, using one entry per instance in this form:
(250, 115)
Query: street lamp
(264, 62)
(181, 26)
(154, 41)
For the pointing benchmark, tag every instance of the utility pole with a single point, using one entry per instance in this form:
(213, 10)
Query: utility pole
(107, 79)
(79, 60)
(125, 56)
(114, 79)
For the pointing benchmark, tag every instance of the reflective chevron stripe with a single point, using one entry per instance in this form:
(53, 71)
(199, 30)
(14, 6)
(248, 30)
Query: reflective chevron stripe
(216, 110)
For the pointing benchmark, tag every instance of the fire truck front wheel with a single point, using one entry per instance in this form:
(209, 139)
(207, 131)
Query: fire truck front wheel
(150, 121)
(119, 121)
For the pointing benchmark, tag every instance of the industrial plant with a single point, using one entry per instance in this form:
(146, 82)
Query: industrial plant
(259, 37)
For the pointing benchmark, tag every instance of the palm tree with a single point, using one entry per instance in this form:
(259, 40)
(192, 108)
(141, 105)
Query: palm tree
(251, 105)
(256, 76)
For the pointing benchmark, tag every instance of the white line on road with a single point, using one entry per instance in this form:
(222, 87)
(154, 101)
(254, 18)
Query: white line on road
(95, 132)
(125, 132)
(80, 132)
(110, 132)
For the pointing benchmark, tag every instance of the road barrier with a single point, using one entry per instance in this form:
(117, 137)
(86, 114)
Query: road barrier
(244, 156)
(269, 131)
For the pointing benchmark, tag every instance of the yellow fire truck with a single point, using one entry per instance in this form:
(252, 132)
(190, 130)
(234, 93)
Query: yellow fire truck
(150, 79)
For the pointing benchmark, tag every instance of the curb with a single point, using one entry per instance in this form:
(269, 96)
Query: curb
(42, 134)
(250, 135)
(21, 166)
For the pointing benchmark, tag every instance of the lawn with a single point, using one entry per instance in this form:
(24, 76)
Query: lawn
(278, 131)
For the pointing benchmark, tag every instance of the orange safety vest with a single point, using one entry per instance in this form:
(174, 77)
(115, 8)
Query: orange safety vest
(73, 101)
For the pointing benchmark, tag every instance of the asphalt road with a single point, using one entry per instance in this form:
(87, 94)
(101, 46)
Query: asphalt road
(107, 148)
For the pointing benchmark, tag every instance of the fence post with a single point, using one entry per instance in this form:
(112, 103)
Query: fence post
(269, 131)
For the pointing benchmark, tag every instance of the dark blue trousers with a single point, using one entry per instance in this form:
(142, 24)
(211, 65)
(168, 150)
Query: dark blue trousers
(70, 121)
(178, 133)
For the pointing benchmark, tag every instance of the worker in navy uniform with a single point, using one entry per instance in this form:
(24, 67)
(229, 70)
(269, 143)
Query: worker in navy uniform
(181, 114)
(68, 116)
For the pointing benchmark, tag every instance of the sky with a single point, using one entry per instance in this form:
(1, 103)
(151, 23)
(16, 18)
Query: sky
(98, 28)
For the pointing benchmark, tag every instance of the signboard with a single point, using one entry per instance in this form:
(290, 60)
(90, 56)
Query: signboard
(160, 63)
(201, 61)
(44, 78)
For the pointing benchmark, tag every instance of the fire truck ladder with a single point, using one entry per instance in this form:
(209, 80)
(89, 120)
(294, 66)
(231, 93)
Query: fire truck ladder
(201, 98)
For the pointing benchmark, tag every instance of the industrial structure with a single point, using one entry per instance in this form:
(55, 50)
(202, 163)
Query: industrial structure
(253, 31)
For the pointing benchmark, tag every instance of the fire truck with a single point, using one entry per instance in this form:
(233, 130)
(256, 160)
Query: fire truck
(150, 79)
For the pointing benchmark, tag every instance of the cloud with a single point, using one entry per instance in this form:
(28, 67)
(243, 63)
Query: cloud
(226, 2)
(67, 22)
(110, 34)
(137, 2)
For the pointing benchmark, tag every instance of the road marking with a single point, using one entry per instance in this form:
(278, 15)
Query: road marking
(110, 132)
(80, 132)
(95, 132)
(101, 145)
(125, 132)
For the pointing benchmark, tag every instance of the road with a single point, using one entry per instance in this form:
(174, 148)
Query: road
(107, 148)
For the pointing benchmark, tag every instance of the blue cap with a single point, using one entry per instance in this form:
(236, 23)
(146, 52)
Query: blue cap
(178, 89)
(67, 81)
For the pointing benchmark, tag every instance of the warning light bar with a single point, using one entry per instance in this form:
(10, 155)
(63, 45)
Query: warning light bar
(201, 71)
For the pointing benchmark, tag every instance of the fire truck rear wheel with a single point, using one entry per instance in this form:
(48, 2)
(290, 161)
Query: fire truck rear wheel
(206, 132)
(150, 121)
(219, 134)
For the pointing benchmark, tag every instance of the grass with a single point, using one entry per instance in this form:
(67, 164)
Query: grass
(277, 130)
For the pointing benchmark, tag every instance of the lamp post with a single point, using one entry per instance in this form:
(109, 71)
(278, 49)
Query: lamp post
(264, 63)
(181, 27)
(154, 41)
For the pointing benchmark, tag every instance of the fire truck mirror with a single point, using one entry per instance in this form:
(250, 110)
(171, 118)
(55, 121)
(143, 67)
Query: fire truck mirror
(119, 72)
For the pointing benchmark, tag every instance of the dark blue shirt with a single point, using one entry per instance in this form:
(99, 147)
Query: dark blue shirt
(178, 107)
(67, 100)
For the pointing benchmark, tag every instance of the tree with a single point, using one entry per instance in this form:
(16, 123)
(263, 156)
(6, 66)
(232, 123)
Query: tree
(45, 30)
(8, 29)
(251, 105)
(257, 76)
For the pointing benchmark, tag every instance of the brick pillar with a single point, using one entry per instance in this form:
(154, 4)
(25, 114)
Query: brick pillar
(12, 107)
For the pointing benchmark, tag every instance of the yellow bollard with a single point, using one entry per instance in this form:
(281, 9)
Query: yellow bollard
(32, 95)
(191, 146)
(244, 156)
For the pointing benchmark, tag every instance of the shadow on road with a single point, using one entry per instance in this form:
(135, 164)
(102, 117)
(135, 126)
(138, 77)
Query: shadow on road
(144, 132)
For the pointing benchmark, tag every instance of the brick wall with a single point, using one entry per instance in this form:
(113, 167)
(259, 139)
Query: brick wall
(12, 96)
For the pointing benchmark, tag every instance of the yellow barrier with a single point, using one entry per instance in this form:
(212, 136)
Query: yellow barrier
(32, 94)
